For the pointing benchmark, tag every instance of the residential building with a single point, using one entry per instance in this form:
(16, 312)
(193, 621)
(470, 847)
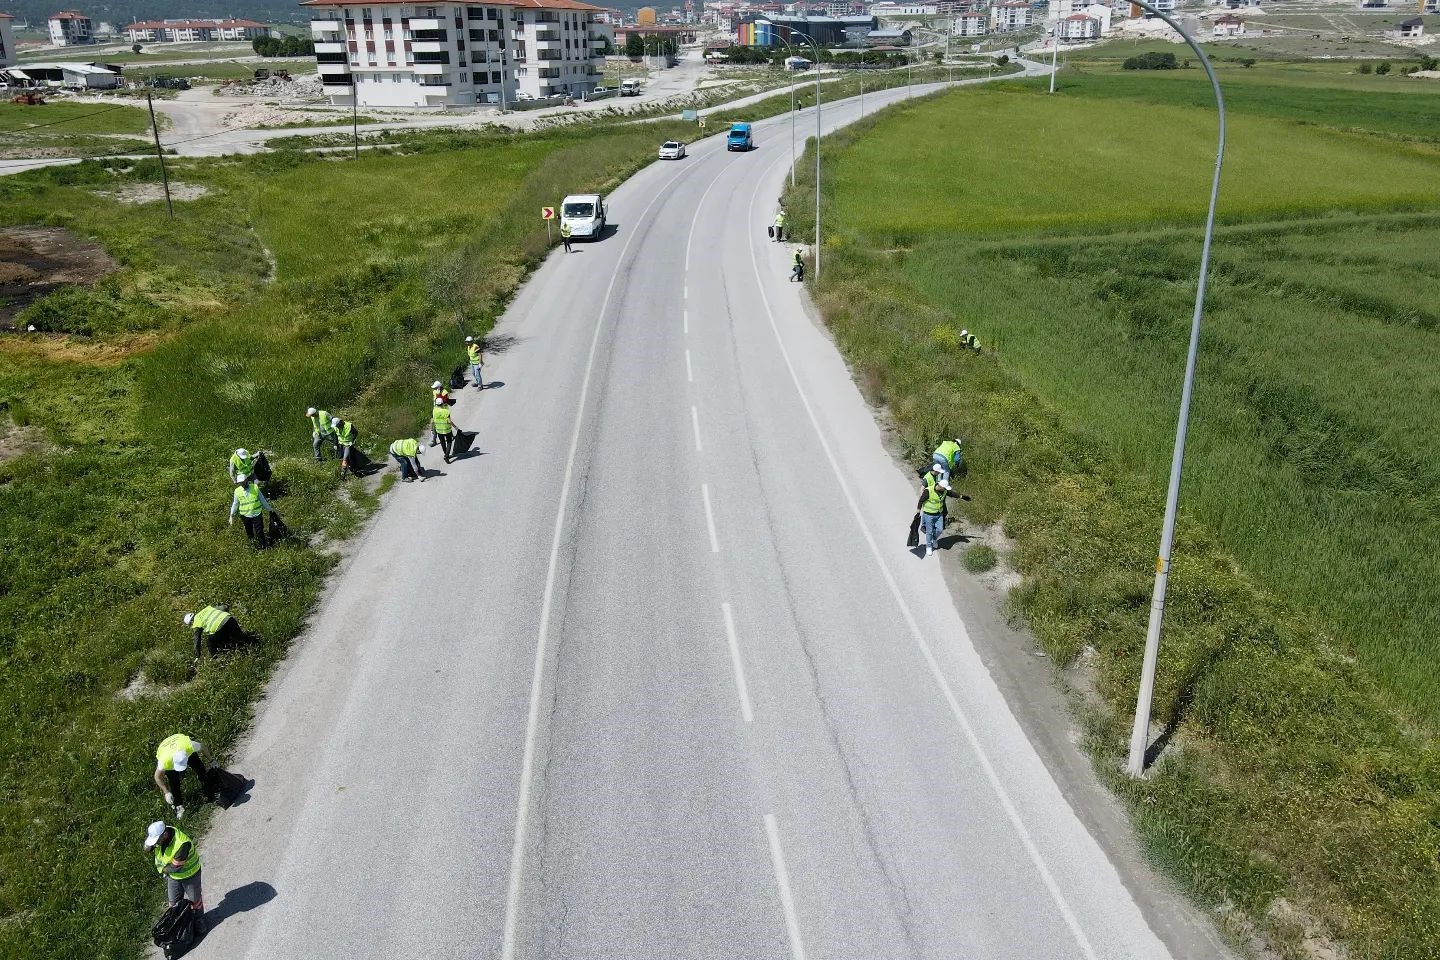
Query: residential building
(189, 31)
(1228, 25)
(1078, 28)
(68, 29)
(972, 24)
(1101, 13)
(1412, 29)
(396, 54)
(1011, 15)
(1432, 6)
(888, 8)
(7, 40)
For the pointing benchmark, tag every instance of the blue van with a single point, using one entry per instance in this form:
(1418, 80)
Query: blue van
(739, 137)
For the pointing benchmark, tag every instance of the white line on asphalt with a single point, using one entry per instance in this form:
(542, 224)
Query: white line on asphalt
(782, 880)
(686, 315)
(532, 721)
(951, 700)
(745, 710)
(695, 422)
(710, 518)
(695, 220)
(689, 370)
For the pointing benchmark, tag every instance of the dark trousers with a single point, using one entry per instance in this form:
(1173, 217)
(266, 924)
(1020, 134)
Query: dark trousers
(175, 780)
(228, 637)
(408, 467)
(447, 441)
(565, 240)
(255, 530)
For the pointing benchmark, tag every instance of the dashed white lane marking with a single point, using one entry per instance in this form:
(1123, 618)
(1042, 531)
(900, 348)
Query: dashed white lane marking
(689, 370)
(695, 422)
(709, 518)
(782, 881)
(746, 712)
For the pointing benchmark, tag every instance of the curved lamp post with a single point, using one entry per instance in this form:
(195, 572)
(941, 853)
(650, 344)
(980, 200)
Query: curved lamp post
(1140, 732)
(791, 48)
(811, 40)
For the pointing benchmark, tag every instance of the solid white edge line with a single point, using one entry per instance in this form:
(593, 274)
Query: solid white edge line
(689, 370)
(709, 518)
(747, 713)
(532, 721)
(951, 700)
(695, 422)
(782, 881)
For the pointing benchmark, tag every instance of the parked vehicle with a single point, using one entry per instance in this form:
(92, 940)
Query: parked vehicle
(739, 137)
(630, 88)
(672, 150)
(584, 214)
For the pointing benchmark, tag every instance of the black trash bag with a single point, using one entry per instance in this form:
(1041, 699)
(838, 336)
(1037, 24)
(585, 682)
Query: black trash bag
(913, 538)
(174, 932)
(770, 232)
(278, 530)
(262, 466)
(223, 787)
(464, 439)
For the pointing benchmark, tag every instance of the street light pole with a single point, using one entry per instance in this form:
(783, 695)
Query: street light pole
(789, 47)
(1054, 55)
(1140, 732)
(816, 46)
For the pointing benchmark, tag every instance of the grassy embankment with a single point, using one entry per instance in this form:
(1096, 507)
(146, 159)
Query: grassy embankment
(195, 347)
(1300, 794)
(71, 129)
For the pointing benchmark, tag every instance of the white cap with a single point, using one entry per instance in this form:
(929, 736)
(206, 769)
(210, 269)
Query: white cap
(964, 333)
(334, 421)
(469, 339)
(152, 833)
(241, 478)
(181, 760)
(936, 468)
(439, 401)
(310, 412)
(188, 618)
(242, 453)
(959, 442)
(435, 385)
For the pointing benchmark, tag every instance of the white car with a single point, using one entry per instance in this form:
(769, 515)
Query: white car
(672, 150)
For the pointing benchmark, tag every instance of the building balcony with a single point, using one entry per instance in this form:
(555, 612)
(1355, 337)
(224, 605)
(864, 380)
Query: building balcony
(427, 23)
(329, 46)
(325, 69)
(430, 69)
(429, 46)
(542, 36)
(326, 25)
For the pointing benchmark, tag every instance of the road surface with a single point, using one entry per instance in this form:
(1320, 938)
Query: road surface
(653, 675)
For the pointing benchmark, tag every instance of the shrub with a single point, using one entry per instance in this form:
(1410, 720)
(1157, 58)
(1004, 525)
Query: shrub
(1152, 61)
(980, 558)
(1383, 69)
(1366, 68)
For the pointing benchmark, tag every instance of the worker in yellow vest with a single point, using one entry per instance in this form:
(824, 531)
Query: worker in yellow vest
(947, 458)
(249, 501)
(443, 427)
(439, 392)
(565, 235)
(406, 454)
(177, 859)
(779, 232)
(216, 627)
(344, 441)
(477, 360)
(933, 492)
(321, 432)
(176, 754)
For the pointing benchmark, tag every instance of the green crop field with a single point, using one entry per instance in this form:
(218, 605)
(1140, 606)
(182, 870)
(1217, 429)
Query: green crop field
(1300, 673)
(217, 331)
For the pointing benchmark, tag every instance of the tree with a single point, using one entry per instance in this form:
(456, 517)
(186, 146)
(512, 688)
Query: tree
(1429, 63)
(1365, 68)
(1151, 61)
(1383, 69)
(939, 57)
(266, 46)
(135, 48)
(634, 45)
(1004, 58)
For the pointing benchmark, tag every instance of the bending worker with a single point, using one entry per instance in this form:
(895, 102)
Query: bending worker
(932, 507)
(947, 458)
(176, 754)
(406, 453)
(249, 500)
(344, 440)
(320, 431)
(477, 360)
(242, 461)
(797, 266)
(443, 428)
(178, 861)
(216, 627)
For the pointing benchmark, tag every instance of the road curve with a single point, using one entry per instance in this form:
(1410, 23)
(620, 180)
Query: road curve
(653, 675)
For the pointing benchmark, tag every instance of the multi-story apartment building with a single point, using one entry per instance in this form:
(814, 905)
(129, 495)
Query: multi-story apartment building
(7, 41)
(971, 24)
(186, 31)
(1013, 15)
(396, 54)
(68, 28)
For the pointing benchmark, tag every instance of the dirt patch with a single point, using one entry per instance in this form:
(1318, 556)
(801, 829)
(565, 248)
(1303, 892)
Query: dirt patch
(18, 441)
(36, 261)
(64, 348)
(154, 192)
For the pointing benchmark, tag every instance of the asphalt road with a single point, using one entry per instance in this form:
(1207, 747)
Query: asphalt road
(653, 675)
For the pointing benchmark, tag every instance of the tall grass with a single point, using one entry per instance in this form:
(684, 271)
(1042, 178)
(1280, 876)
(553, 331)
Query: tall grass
(117, 527)
(1298, 669)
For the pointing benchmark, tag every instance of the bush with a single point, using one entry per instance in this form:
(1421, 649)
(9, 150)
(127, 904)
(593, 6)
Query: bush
(1366, 68)
(1383, 69)
(980, 558)
(1152, 61)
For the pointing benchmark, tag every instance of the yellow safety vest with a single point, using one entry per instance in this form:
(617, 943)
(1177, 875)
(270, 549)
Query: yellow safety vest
(346, 433)
(210, 620)
(934, 496)
(320, 424)
(165, 855)
(440, 416)
(247, 499)
(245, 465)
(409, 447)
(171, 745)
(473, 349)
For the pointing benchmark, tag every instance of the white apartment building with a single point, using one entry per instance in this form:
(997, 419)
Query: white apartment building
(1095, 10)
(888, 8)
(7, 40)
(189, 31)
(1077, 28)
(1013, 15)
(969, 25)
(396, 54)
(68, 28)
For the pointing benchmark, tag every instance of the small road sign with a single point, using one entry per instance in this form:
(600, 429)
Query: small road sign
(701, 121)
(547, 213)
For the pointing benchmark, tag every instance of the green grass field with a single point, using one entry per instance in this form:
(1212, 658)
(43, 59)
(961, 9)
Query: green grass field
(70, 129)
(1300, 669)
(196, 346)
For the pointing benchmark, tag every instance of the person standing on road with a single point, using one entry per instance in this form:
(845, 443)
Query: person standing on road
(176, 754)
(780, 226)
(344, 440)
(215, 627)
(565, 235)
(249, 501)
(797, 266)
(933, 492)
(440, 393)
(947, 458)
(443, 428)
(477, 360)
(178, 860)
(406, 453)
(320, 431)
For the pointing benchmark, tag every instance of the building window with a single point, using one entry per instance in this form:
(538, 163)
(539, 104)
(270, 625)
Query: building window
(495, 77)
(464, 78)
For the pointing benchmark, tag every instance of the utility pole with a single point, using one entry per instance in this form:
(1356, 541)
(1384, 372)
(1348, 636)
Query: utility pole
(160, 154)
(1055, 56)
(355, 117)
